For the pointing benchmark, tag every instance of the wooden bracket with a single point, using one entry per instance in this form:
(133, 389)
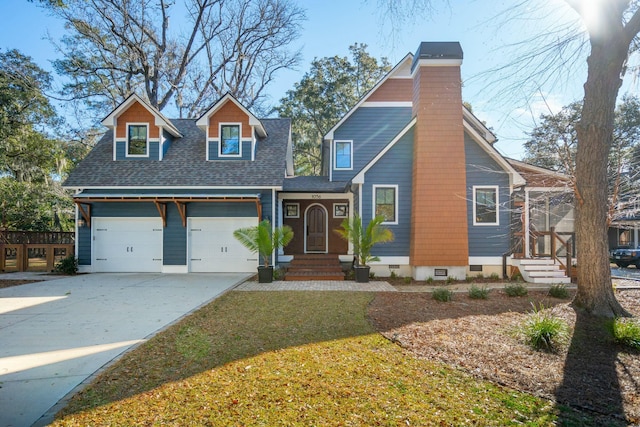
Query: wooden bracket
(182, 210)
(259, 209)
(86, 215)
(162, 210)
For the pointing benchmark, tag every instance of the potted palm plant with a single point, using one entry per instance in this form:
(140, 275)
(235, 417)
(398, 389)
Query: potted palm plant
(363, 240)
(261, 240)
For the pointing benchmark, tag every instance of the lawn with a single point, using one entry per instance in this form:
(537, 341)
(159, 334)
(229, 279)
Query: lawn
(293, 358)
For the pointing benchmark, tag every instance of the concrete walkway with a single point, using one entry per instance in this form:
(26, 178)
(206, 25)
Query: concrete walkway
(56, 334)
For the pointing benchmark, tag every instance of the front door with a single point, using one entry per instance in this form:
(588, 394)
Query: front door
(316, 229)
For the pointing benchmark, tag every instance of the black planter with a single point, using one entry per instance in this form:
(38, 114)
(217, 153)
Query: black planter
(265, 274)
(362, 274)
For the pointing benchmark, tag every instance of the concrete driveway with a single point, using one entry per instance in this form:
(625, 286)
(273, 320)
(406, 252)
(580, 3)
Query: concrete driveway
(56, 334)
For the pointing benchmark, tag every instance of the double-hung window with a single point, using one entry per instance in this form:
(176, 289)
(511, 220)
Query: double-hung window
(343, 154)
(230, 140)
(485, 205)
(137, 140)
(385, 202)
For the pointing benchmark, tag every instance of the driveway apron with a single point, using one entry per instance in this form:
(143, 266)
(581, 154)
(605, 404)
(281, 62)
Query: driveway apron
(55, 334)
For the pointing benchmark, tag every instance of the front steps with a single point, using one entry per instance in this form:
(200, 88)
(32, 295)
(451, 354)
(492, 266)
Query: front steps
(314, 267)
(541, 271)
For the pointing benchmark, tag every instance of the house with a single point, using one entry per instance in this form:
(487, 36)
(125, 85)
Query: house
(409, 150)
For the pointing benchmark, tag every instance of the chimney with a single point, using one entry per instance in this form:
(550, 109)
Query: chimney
(439, 209)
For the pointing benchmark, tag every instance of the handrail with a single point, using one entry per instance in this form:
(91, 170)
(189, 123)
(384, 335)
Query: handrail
(566, 265)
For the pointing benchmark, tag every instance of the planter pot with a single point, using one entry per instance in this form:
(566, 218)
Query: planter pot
(362, 274)
(265, 274)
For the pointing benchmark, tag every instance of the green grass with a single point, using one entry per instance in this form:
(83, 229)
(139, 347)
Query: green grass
(516, 290)
(442, 294)
(296, 359)
(544, 331)
(627, 332)
(477, 292)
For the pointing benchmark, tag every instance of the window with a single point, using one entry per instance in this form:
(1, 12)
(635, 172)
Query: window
(343, 158)
(137, 141)
(229, 140)
(385, 203)
(485, 205)
(292, 210)
(624, 238)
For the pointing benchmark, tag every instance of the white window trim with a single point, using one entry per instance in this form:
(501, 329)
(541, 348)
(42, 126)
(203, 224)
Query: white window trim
(126, 146)
(346, 205)
(335, 154)
(496, 188)
(373, 202)
(291, 204)
(220, 155)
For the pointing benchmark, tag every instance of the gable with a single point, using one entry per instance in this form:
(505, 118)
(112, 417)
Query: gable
(393, 90)
(136, 113)
(229, 113)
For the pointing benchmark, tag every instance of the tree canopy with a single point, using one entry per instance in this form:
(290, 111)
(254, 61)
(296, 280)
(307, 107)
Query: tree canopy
(325, 93)
(32, 160)
(118, 47)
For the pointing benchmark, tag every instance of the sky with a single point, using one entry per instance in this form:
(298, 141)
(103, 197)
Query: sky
(332, 25)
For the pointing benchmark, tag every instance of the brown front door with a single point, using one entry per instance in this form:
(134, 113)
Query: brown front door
(316, 229)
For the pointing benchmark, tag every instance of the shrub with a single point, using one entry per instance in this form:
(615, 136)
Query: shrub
(407, 280)
(479, 276)
(559, 291)
(544, 331)
(627, 332)
(68, 265)
(278, 273)
(393, 275)
(476, 292)
(516, 290)
(494, 276)
(442, 295)
(429, 280)
(450, 279)
(468, 279)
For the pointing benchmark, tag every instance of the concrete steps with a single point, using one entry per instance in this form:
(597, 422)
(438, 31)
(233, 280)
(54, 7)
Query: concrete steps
(314, 267)
(541, 271)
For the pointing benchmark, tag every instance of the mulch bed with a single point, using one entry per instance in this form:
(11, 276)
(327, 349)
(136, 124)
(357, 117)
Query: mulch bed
(589, 372)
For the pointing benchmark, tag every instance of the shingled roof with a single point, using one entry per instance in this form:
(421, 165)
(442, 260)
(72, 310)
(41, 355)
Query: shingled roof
(185, 165)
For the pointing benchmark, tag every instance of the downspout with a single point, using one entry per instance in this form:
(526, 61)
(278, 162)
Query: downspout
(527, 252)
(273, 222)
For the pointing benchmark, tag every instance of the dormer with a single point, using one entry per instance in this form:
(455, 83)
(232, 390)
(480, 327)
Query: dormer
(140, 131)
(231, 130)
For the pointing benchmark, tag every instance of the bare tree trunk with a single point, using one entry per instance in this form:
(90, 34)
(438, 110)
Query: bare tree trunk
(595, 134)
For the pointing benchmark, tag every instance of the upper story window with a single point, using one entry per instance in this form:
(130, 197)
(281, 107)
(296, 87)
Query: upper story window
(385, 202)
(485, 205)
(230, 144)
(343, 154)
(137, 140)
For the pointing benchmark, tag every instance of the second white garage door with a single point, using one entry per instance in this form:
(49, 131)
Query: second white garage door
(212, 247)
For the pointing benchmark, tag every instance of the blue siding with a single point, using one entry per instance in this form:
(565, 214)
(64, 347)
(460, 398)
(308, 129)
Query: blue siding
(168, 139)
(84, 246)
(174, 238)
(121, 151)
(394, 168)
(371, 129)
(246, 151)
(486, 240)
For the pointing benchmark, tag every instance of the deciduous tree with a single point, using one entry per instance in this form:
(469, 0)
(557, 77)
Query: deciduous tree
(117, 47)
(326, 92)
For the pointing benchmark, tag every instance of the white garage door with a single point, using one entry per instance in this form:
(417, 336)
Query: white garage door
(212, 247)
(127, 245)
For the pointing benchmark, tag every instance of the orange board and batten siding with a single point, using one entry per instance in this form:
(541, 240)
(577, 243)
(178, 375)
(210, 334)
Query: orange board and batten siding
(393, 90)
(136, 113)
(439, 210)
(229, 113)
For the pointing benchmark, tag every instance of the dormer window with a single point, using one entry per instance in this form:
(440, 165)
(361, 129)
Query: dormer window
(230, 144)
(137, 140)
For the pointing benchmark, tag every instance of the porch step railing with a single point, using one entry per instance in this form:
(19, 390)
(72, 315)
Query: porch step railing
(558, 241)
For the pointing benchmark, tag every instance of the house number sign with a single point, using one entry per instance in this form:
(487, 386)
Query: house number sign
(316, 196)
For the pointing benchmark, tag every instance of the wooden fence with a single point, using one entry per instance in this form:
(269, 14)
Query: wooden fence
(34, 251)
